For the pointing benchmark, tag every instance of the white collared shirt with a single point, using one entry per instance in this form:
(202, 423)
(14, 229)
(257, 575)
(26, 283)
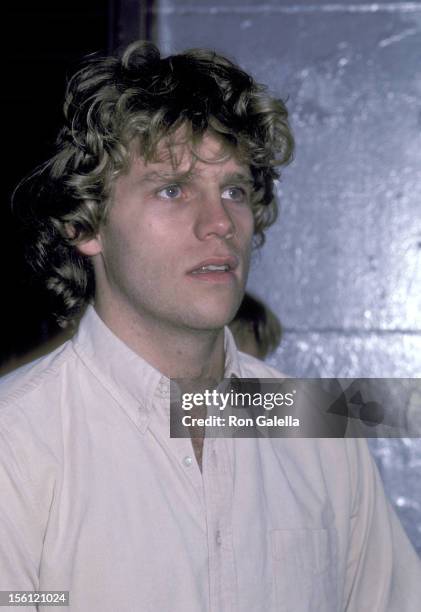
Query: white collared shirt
(97, 499)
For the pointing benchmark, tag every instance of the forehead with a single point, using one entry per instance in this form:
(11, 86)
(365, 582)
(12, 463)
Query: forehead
(178, 154)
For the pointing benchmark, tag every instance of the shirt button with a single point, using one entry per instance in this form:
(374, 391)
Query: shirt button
(218, 538)
(164, 386)
(187, 461)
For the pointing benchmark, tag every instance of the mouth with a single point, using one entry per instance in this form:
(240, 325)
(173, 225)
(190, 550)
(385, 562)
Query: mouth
(215, 269)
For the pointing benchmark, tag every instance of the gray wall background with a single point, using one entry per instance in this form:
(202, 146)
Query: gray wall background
(342, 266)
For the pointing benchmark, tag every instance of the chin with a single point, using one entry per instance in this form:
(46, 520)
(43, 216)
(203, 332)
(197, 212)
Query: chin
(212, 318)
(210, 310)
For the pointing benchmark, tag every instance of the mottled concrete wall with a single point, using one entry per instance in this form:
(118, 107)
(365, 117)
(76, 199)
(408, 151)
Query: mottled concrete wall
(341, 268)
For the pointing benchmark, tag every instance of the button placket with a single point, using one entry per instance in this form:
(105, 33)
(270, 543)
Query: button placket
(218, 495)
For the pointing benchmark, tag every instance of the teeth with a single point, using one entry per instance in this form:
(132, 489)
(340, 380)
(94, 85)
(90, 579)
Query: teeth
(212, 268)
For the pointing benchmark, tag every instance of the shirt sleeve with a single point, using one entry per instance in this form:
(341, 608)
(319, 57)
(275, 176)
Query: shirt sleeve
(20, 525)
(383, 572)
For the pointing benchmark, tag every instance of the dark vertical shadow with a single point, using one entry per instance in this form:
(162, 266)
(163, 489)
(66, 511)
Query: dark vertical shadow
(42, 43)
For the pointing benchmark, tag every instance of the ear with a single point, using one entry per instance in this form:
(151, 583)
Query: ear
(90, 247)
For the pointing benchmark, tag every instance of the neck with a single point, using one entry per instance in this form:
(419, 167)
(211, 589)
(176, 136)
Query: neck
(176, 352)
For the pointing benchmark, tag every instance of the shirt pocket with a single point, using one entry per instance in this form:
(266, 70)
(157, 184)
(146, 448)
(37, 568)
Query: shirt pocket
(305, 570)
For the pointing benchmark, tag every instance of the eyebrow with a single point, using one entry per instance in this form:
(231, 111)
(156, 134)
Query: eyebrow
(154, 176)
(231, 177)
(238, 177)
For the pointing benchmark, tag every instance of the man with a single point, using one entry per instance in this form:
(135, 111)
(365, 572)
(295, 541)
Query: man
(145, 216)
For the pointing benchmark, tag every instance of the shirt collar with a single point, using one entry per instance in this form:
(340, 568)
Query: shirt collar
(232, 360)
(131, 380)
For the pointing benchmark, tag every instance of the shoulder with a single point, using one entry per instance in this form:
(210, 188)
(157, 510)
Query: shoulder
(35, 375)
(34, 412)
(31, 438)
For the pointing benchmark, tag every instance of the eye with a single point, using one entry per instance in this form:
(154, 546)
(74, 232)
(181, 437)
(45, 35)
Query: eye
(237, 194)
(171, 192)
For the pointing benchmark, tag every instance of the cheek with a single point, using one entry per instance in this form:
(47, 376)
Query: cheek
(143, 247)
(245, 225)
(124, 231)
(122, 250)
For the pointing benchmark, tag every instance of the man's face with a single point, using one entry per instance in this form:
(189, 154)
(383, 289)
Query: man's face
(176, 245)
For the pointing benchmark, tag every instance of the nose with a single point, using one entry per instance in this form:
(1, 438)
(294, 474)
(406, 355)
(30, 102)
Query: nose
(213, 217)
